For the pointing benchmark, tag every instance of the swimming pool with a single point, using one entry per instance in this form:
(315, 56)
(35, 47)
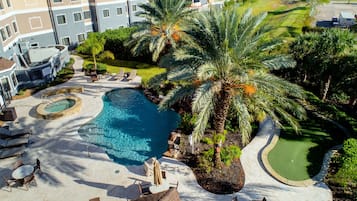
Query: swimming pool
(130, 128)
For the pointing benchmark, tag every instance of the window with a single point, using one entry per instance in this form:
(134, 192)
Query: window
(61, 19)
(1, 6)
(77, 17)
(35, 22)
(134, 7)
(66, 41)
(106, 13)
(87, 14)
(81, 38)
(14, 25)
(8, 30)
(8, 3)
(34, 45)
(14, 79)
(119, 11)
(57, 1)
(3, 34)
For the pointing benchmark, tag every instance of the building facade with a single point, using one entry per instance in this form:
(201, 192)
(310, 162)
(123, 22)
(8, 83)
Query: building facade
(59, 26)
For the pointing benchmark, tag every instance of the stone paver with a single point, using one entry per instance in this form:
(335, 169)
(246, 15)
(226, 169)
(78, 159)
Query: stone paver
(76, 170)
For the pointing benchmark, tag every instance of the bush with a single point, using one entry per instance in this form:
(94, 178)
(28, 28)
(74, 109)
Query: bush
(89, 66)
(187, 123)
(346, 175)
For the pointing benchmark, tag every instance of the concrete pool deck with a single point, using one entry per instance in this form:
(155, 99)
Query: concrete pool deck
(78, 171)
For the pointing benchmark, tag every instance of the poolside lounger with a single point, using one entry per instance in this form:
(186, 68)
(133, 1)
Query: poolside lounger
(11, 142)
(12, 151)
(120, 75)
(6, 133)
(132, 75)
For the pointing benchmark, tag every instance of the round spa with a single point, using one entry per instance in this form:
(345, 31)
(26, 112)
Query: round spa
(59, 107)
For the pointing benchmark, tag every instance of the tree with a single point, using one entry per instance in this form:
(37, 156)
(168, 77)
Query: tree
(318, 55)
(94, 45)
(163, 27)
(227, 66)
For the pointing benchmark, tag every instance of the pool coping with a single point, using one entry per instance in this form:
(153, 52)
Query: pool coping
(303, 183)
(42, 113)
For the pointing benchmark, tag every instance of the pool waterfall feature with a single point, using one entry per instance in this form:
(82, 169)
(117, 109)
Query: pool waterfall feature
(130, 128)
(59, 106)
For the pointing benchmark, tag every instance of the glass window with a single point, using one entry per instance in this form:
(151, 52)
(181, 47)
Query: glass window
(14, 79)
(8, 3)
(87, 14)
(8, 30)
(134, 7)
(81, 38)
(14, 25)
(119, 11)
(3, 34)
(66, 41)
(61, 19)
(106, 13)
(57, 1)
(77, 17)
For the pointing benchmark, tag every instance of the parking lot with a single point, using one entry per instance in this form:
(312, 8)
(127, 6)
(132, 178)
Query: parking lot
(325, 12)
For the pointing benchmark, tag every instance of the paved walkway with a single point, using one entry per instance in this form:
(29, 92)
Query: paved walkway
(75, 170)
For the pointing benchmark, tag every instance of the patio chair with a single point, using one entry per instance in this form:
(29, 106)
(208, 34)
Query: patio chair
(132, 75)
(120, 75)
(37, 167)
(12, 142)
(9, 183)
(12, 151)
(28, 180)
(143, 189)
(6, 133)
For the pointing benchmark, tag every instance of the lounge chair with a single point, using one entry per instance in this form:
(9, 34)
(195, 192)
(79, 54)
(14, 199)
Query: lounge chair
(11, 142)
(6, 133)
(12, 151)
(132, 75)
(120, 75)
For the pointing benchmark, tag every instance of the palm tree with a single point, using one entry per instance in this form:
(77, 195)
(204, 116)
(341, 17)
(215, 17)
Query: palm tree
(163, 27)
(94, 45)
(228, 68)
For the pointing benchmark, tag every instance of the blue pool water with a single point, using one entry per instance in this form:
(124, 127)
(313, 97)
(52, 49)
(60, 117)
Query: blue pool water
(60, 105)
(130, 128)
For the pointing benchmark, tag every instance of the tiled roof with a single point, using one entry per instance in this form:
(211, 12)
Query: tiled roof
(5, 64)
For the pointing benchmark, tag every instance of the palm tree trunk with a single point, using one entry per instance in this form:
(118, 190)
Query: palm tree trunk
(217, 156)
(353, 101)
(95, 62)
(221, 112)
(326, 87)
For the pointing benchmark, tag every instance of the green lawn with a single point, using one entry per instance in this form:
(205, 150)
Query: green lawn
(145, 71)
(299, 157)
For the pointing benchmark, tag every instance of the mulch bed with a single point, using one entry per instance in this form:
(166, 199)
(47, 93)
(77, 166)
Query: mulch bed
(227, 180)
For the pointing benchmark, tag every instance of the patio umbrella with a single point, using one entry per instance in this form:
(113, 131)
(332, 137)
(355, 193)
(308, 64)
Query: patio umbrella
(157, 173)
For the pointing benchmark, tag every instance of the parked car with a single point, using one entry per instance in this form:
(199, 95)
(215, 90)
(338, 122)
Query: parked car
(334, 21)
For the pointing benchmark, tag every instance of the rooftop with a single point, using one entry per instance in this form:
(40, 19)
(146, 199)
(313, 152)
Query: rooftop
(6, 64)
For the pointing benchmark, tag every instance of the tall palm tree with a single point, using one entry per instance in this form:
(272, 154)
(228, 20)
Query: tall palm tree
(228, 68)
(162, 28)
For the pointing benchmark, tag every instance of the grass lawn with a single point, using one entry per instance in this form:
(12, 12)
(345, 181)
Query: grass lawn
(145, 71)
(287, 19)
(299, 156)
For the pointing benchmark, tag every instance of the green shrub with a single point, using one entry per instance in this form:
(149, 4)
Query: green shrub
(228, 154)
(187, 123)
(346, 175)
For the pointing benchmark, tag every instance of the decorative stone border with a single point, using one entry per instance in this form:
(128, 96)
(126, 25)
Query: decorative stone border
(308, 182)
(42, 113)
(74, 89)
